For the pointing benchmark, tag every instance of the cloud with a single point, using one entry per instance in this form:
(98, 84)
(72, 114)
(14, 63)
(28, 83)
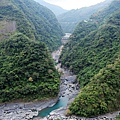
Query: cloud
(73, 4)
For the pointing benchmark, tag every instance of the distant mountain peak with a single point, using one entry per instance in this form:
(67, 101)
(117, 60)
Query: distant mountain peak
(70, 19)
(57, 10)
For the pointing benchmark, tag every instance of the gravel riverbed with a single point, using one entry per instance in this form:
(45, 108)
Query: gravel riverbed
(23, 111)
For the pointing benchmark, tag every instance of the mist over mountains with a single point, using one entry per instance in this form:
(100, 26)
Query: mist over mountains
(57, 10)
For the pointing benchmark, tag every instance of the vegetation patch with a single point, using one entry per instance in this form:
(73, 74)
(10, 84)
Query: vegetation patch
(91, 55)
(101, 95)
(27, 70)
(33, 20)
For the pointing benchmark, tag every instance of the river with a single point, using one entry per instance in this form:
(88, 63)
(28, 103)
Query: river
(25, 111)
(69, 87)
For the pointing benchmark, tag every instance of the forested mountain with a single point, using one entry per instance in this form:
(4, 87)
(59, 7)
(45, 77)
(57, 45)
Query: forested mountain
(94, 46)
(54, 8)
(28, 31)
(101, 95)
(70, 19)
(27, 71)
(32, 19)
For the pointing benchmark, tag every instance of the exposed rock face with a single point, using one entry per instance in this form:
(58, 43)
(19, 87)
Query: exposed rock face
(7, 27)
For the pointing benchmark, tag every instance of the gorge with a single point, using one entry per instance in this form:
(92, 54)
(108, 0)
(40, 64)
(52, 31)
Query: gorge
(44, 76)
(69, 88)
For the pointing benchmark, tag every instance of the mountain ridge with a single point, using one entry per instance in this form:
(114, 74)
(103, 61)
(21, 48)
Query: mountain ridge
(57, 10)
(93, 55)
(39, 23)
(70, 19)
(28, 33)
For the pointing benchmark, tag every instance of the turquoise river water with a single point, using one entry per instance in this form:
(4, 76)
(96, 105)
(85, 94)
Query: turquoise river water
(61, 103)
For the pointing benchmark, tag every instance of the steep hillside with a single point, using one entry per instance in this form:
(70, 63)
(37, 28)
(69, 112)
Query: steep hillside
(101, 95)
(93, 46)
(70, 19)
(32, 19)
(100, 16)
(54, 8)
(27, 71)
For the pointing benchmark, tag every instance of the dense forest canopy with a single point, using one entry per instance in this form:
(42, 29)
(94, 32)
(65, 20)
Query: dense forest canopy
(28, 32)
(101, 95)
(34, 20)
(27, 70)
(94, 45)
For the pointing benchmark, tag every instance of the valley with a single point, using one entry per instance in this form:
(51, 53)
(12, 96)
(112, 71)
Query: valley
(69, 89)
(59, 65)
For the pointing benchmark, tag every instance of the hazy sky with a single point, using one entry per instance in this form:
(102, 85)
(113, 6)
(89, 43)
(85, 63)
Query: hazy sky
(73, 4)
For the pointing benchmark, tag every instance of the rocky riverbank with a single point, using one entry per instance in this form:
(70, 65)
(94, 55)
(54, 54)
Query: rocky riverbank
(26, 111)
(69, 89)
(56, 115)
(23, 111)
